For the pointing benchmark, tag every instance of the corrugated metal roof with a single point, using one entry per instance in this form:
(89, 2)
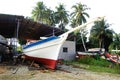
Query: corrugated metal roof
(27, 29)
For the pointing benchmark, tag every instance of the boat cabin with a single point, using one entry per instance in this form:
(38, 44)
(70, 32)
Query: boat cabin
(67, 51)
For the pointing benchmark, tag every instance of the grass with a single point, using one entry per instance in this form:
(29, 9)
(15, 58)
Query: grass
(93, 64)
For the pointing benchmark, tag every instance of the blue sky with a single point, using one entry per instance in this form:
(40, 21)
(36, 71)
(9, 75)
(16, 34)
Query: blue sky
(108, 8)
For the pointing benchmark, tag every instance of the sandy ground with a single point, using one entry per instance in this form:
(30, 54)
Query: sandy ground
(63, 73)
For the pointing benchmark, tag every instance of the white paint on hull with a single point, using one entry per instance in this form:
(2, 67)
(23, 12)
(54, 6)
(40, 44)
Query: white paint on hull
(48, 50)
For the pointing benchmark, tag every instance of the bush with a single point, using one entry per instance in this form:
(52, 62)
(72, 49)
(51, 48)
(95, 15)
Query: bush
(96, 62)
(86, 60)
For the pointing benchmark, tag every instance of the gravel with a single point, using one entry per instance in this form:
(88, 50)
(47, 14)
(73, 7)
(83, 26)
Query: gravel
(63, 73)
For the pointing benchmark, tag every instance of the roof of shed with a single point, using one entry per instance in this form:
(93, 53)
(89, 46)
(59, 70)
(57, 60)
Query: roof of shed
(27, 29)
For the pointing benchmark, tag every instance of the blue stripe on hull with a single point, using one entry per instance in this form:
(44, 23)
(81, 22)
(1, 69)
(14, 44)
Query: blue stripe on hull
(41, 42)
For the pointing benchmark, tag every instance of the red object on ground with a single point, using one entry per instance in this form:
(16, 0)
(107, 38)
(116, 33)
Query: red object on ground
(113, 58)
(107, 55)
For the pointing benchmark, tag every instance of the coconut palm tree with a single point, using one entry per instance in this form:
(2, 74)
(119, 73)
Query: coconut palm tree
(101, 32)
(78, 17)
(79, 13)
(38, 12)
(49, 17)
(116, 42)
(61, 16)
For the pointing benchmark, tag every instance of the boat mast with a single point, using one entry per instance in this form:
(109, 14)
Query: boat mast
(82, 26)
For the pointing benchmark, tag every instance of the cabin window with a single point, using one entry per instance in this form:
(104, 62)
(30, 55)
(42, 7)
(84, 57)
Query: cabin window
(65, 49)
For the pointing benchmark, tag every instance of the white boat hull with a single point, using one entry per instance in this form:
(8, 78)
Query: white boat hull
(46, 53)
(85, 54)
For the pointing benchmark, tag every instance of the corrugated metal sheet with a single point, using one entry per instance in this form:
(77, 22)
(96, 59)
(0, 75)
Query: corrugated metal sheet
(27, 29)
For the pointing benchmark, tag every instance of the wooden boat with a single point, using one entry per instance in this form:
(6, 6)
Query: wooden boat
(91, 52)
(113, 58)
(46, 51)
(85, 54)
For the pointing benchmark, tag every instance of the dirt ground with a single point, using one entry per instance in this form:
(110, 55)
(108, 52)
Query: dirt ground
(64, 72)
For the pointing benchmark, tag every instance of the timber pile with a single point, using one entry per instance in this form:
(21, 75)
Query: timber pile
(2, 69)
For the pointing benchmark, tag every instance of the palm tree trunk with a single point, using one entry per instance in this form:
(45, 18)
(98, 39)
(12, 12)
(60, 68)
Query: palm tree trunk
(83, 43)
(100, 44)
(117, 55)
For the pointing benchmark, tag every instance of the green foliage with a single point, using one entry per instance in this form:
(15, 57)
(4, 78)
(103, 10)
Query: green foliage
(61, 16)
(101, 34)
(79, 14)
(93, 61)
(42, 14)
(99, 65)
(79, 37)
(38, 11)
(115, 45)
